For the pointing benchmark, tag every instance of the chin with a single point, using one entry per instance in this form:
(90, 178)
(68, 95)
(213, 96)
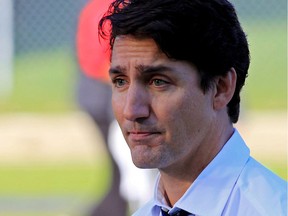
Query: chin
(144, 157)
(143, 164)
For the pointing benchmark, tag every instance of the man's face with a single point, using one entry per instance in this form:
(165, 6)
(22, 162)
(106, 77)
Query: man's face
(163, 113)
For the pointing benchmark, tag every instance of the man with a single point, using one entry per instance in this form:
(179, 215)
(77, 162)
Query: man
(177, 68)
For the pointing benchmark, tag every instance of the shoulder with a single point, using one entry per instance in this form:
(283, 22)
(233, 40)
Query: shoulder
(260, 190)
(256, 175)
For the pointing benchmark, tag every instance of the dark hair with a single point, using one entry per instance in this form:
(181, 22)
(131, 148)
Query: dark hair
(206, 33)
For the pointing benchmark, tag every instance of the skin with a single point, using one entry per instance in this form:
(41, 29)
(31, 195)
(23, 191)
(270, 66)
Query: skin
(167, 120)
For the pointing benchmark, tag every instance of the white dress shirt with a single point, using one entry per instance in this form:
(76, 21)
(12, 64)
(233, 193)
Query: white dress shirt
(233, 184)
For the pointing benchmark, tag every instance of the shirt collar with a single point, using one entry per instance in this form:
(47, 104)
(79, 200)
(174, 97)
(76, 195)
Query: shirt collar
(210, 191)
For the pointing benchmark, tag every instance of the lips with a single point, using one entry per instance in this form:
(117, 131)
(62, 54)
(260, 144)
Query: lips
(142, 135)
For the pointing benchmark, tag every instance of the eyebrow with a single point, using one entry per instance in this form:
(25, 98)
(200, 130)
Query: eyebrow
(144, 69)
(117, 70)
(152, 69)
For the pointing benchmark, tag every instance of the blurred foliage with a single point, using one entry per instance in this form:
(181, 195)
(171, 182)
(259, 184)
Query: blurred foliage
(266, 87)
(43, 82)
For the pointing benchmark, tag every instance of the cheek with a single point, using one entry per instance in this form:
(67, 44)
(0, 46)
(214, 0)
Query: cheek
(184, 116)
(172, 113)
(117, 106)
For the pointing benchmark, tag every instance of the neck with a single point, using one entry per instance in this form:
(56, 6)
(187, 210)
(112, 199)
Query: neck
(178, 178)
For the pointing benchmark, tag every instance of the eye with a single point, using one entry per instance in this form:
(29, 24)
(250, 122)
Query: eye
(118, 82)
(158, 82)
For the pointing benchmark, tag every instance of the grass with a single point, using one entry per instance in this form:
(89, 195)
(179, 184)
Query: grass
(52, 189)
(53, 179)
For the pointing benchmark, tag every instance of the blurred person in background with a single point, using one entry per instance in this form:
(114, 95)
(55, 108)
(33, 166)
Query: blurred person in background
(177, 68)
(94, 97)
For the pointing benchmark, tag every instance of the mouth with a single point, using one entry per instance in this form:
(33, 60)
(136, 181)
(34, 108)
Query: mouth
(138, 136)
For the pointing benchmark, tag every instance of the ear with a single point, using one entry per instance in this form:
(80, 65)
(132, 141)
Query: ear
(225, 88)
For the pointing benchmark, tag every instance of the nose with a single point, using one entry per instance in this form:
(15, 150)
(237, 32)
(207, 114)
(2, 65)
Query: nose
(136, 103)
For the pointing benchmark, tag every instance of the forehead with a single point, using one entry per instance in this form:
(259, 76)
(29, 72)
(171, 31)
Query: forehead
(133, 56)
(128, 48)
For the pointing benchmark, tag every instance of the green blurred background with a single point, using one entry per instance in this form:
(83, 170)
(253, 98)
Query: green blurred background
(41, 101)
